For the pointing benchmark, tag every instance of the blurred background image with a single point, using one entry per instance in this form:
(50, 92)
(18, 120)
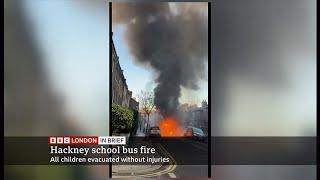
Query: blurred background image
(263, 78)
(263, 68)
(55, 76)
(56, 67)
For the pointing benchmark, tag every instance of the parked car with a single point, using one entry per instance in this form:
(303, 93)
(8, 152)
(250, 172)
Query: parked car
(195, 133)
(154, 132)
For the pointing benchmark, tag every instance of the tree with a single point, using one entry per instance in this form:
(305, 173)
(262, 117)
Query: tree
(146, 100)
(122, 119)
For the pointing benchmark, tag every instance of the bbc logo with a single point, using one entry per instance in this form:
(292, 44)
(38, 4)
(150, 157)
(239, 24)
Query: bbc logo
(59, 140)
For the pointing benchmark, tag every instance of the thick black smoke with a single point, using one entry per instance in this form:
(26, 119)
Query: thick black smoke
(171, 40)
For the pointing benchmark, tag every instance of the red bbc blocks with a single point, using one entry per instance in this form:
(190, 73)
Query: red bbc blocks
(72, 140)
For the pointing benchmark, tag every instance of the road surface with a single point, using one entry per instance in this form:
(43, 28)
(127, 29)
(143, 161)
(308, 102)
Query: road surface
(188, 159)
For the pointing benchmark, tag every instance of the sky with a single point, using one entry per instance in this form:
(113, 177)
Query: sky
(138, 77)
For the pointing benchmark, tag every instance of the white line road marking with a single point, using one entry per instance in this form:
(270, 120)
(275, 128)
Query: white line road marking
(172, 175)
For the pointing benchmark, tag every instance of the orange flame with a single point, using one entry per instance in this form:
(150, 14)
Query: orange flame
(170, 127)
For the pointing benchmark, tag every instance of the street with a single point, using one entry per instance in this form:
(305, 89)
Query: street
(188, 158)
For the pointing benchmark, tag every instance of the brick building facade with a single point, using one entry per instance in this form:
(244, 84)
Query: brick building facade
(120, 93)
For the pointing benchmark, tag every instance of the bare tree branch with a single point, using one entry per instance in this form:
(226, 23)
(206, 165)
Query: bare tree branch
(146, 100)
